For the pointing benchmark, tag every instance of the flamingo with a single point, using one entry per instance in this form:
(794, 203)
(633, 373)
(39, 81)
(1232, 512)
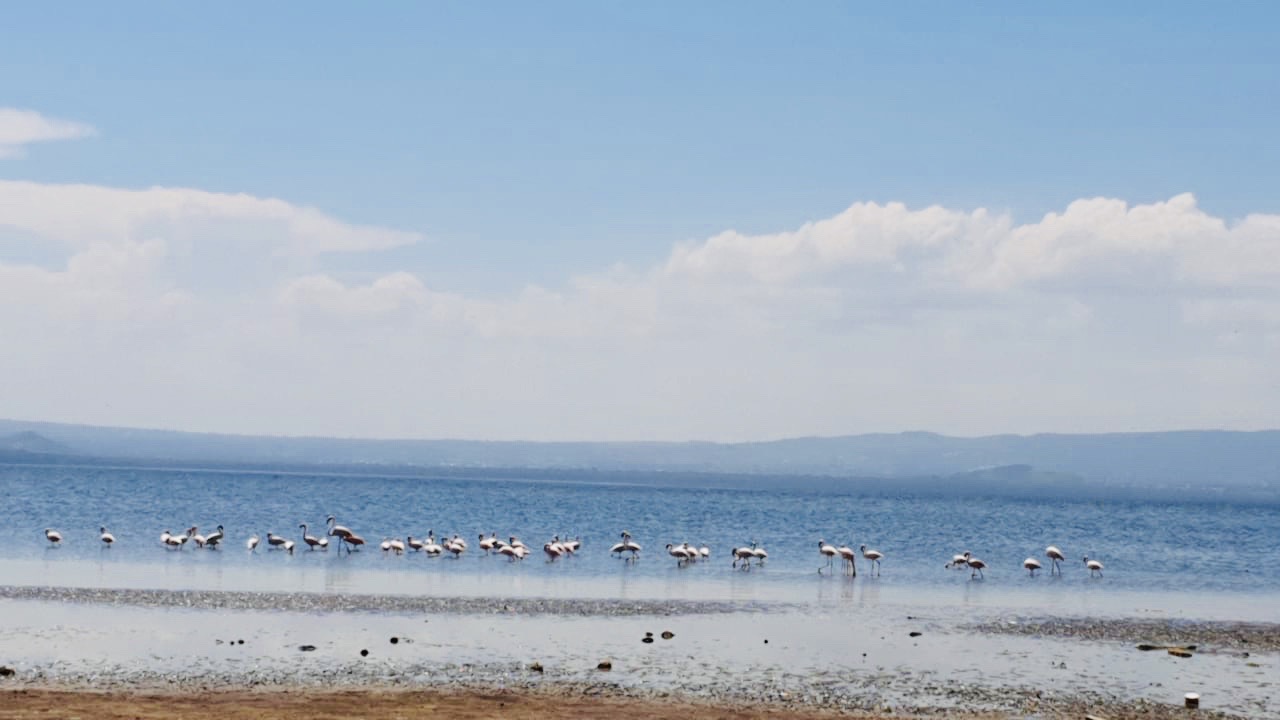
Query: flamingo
(274, 540)
(680, 553)
(312, 541)
(1054, 554)
(252, 544)
(745, 554)
(335, 529)
(975, 564)
(573, 545)
(1032, 565)
(872, 555)
(630, 545)
(704, 552)
(849, 558)
(414, 545)
(195, 538)
(759, 553)
(958, 561)
(173, 541)
(352, 540)
(431, 547)
(827, 551)
(288, 546)
(397, 545)
(386, 544)
(553, 551)
(457, 548)
(1093, 565)
(107, 538)
(215, 537)
(487, 544)
(514, 541)
(53, 536)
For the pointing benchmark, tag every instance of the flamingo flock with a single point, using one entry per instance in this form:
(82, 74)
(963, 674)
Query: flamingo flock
(514, 549)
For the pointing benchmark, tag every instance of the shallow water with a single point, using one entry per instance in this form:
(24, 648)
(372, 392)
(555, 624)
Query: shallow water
(1147, 548)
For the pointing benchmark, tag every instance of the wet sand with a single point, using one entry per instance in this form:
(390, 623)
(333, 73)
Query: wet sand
(138, 652)
(1207, 636)
(372, 704)
(375, 704)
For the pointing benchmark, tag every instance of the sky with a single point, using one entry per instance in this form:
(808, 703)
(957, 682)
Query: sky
(668, 221)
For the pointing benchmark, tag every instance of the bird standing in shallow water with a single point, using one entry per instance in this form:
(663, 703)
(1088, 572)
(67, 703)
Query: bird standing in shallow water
(1093, 565)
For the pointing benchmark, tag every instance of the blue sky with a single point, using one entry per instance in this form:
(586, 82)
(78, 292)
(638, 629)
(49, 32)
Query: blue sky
(527, 146)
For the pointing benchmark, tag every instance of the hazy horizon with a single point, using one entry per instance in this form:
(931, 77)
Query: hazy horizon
(587, 223)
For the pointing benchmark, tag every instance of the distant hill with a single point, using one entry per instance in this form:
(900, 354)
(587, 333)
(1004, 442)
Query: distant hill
(1159, 459)
(27, 441)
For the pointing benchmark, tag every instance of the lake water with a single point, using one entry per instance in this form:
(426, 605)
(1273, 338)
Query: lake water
(1215, 559)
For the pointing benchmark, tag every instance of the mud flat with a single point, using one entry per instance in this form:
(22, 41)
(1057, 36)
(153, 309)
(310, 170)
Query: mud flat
(1207, 636)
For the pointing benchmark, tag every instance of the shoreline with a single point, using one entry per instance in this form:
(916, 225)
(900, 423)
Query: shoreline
(485, 700)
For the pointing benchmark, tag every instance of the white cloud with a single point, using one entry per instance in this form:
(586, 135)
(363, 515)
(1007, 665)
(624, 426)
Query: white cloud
(19, 128)
(1106, 316)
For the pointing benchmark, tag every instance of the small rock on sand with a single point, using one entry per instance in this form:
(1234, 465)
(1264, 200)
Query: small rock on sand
(605, 665)
(915, 633)
(667, 634)
(6, 671)
(307, 648)
(536, 667)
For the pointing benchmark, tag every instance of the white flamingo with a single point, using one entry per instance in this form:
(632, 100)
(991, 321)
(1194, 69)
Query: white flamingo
(275, 541)
(553, 551)
(457, 548)
(827, 551)
(252, 543)
(211, 541)
(195, 538)
(431, 547)
(975, 565)
(850, 559)
(1093, 565)
(1056, 556)
(53, 536)
(873, 556)
(680, 553)
(1032, 565)
(173, 541)
(630, 545)
(288, 546)
(397, 545)
(107, 538)
(487, 544)
(745, 554)
(386, 544)
(958, 561)
(414, 545)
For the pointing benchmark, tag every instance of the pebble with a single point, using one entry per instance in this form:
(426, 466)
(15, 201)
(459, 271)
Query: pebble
(364, 653)
(394, 639)
(667, 634)
(605, 665)
(915, 633)
(307, 648)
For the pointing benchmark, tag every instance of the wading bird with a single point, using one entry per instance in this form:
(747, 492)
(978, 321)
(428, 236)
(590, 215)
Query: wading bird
(1093, 565)
(873, 556)
(1032, 565)
(975, 565)
(827, 551)
(1055, 555)
(107, 538)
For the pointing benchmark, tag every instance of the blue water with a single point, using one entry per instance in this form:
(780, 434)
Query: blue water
(1147, 547)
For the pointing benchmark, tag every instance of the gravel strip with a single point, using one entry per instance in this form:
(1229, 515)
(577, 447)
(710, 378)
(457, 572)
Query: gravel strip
(1208, 636)
(329, 602)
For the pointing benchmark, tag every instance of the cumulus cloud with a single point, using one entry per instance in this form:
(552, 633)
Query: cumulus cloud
(1104, 316)
(19, 128)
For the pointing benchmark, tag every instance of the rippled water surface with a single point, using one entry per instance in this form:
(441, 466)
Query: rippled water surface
(1151, 550)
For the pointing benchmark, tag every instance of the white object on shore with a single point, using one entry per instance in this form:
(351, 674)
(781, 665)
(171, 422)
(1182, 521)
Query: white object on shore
(1191, 700)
